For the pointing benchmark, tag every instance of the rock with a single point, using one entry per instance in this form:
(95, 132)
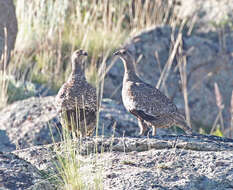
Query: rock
(207, 64)
(115, 120)
(6, 145)
(8, 20)
(130, 144)
(31, 122)
(42, 157)
(209, 14)
(165, 162)
(16, 173)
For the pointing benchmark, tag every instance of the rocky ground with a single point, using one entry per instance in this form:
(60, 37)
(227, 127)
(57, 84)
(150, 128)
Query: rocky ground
(165, 162)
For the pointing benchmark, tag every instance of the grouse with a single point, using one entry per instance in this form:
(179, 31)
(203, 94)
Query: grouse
(76, 100)
(148, 104)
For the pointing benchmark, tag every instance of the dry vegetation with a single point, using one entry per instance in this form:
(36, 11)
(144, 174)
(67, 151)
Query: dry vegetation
(50, 30)
(3, 81)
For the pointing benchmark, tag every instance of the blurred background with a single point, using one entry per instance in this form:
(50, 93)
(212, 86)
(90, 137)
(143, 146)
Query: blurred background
(183, 47)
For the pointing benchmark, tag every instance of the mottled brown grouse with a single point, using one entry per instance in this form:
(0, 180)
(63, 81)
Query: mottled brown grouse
(148, 104)
(76, 100)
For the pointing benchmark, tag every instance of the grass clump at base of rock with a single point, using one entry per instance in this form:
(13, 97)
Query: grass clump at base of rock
(76, 171)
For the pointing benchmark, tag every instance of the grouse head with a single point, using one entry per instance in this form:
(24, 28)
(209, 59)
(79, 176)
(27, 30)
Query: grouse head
(124, 54)
(127, 59)
(78, 58)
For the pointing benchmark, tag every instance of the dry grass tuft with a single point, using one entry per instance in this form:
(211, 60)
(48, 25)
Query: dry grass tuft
(220, 105)
(3, 74)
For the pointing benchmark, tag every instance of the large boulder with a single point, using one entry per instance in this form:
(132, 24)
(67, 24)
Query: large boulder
(30, 122)
(16, 173)
(34, 121)
(163, 162)
(7, 20)
(207, 63)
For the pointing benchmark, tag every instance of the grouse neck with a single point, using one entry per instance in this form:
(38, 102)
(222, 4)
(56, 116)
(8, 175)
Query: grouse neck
(77, 74)
(130, 73)
(78, 70)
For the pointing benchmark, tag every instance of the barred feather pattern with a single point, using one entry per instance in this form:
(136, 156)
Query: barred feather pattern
(76, 101)
(148, 104)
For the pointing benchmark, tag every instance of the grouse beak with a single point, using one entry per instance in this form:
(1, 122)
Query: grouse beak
(116, 53)
(85, 53)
